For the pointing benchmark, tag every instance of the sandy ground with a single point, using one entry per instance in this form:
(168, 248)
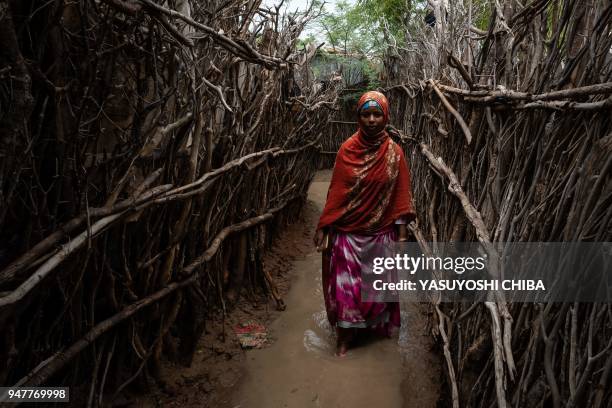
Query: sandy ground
(298, 369)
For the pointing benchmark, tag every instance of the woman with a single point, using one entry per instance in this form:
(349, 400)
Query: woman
(368, 202)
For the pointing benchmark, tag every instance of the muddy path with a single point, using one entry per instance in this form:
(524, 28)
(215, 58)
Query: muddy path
(300, 369)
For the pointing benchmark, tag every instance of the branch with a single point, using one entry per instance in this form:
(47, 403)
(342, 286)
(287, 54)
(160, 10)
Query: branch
(124, 6)
(45, 269)
(500, 95)
(484, 238)
(453, 111)
(50, 366)
(238, 47)
(416, 231)
(12, 271)
(219, 93)
(146, 200)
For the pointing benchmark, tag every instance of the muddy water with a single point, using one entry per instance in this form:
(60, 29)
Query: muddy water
(300, 370)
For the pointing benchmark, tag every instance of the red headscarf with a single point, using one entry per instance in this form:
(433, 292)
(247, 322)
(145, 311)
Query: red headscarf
(370, 185)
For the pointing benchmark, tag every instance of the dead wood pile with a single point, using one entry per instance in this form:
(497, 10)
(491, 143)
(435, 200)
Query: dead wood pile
(509, 135)
(149, 151)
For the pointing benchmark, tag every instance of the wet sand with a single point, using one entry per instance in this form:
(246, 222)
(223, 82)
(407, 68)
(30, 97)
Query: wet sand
(300, 369)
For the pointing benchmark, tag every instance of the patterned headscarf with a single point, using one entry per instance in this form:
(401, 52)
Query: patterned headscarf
(380, 101)
(370, 103)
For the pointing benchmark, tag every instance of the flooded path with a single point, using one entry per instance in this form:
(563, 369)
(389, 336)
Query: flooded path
(300, 370)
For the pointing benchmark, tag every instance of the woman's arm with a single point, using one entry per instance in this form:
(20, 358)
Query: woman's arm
(318, 237)
(402, 231)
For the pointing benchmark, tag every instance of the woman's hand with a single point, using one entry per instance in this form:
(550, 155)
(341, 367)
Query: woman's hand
(318, 237)
(402, 233)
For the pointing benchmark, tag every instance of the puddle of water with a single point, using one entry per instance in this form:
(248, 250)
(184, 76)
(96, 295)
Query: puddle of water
(321, 341)
(320, 319)
(315, 344)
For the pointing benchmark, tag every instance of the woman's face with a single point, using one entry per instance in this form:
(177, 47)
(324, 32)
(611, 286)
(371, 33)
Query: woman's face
(371, 120)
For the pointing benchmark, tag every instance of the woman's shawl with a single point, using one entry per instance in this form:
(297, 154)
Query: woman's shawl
(370, 185)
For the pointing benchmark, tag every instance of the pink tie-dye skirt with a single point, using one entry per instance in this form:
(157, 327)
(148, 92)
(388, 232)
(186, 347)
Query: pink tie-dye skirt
(342, 286)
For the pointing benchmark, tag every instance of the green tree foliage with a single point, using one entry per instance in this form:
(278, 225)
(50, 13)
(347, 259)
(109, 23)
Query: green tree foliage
(384, 20)
(357, 35)
(341, 28)
(370, 26)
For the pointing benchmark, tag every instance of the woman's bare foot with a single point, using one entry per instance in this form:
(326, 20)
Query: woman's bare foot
(342, 348)
(344, 338)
